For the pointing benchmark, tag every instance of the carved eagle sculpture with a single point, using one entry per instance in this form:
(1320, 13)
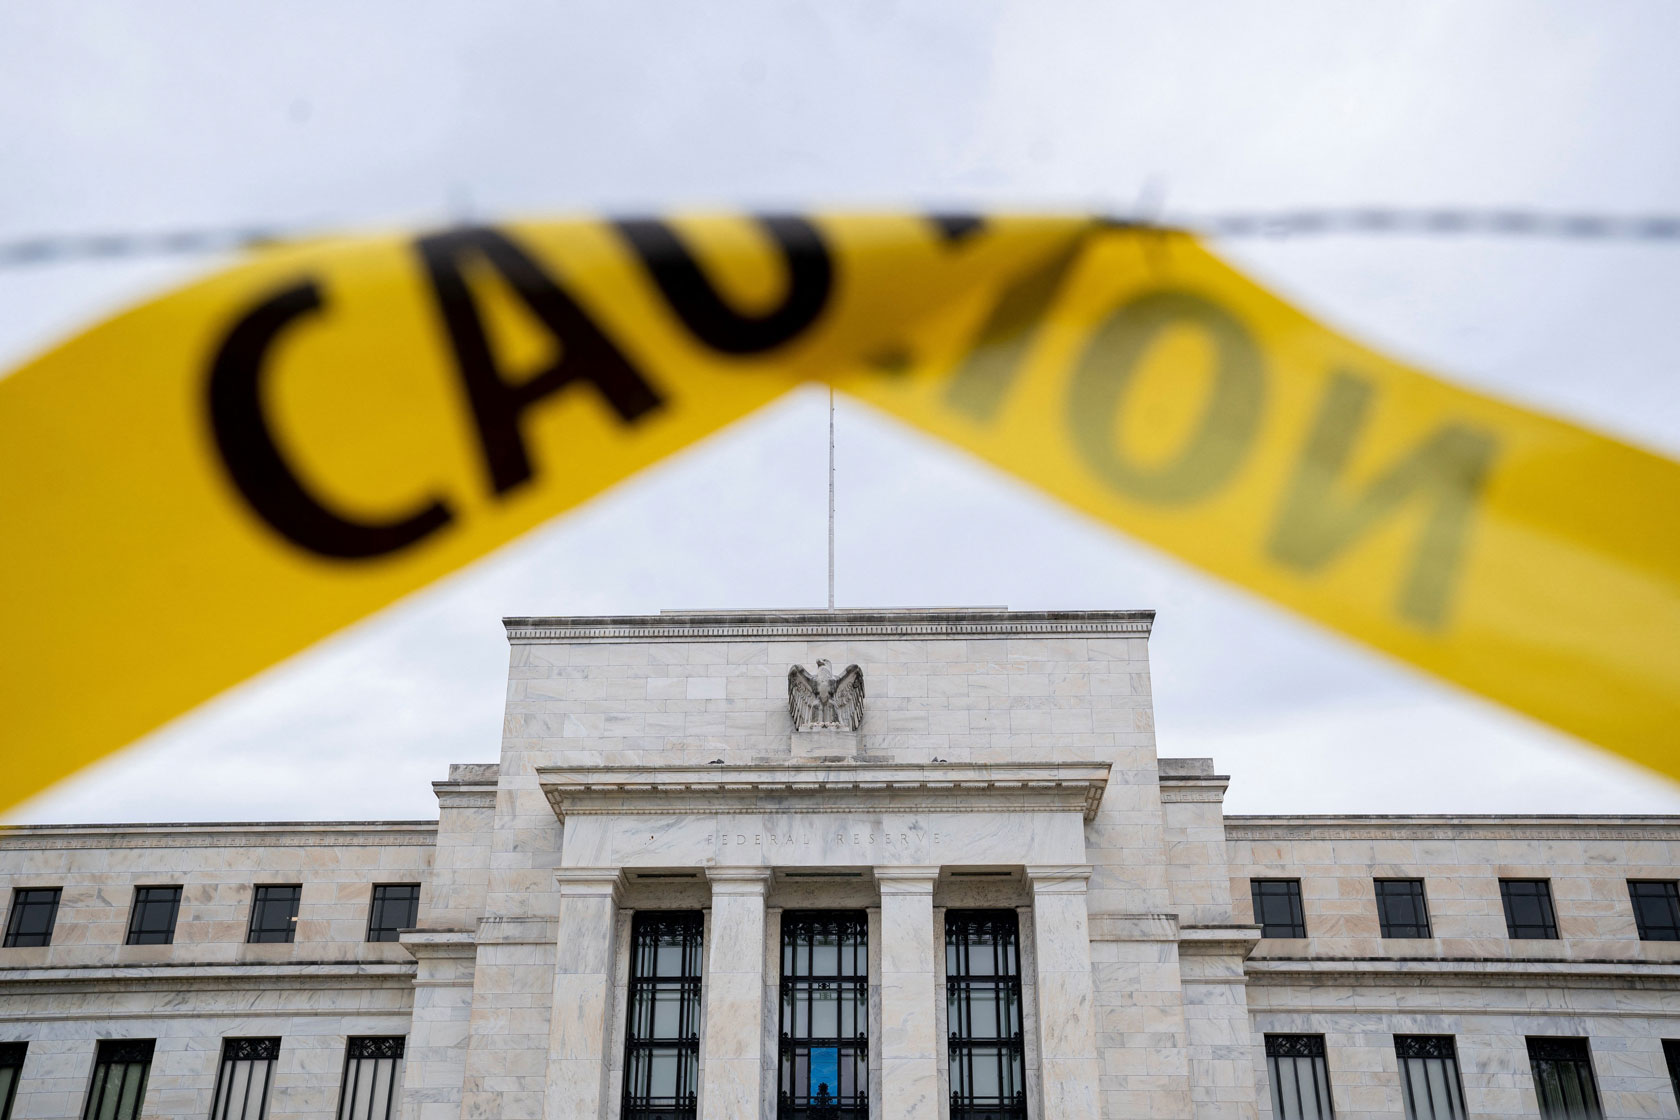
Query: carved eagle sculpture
(825, 701)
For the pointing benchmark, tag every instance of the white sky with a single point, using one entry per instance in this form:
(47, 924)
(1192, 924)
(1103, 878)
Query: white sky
(122, 116)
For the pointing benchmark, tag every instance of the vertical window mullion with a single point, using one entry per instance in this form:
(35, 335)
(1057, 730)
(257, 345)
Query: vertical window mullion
(652, 988)
(1563, 1078)
(984, 1040)
(1286, 1054)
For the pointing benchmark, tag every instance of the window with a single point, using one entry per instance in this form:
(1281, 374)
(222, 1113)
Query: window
(1277, 907)
(1671, 1051)
(1656, 907)
(372, 1076)
(1401, 908)
(243, 1081)
(1563, 1079)
(825, 1016)
(152, 921)
(983, 1013)
(34, 909)
(1300, 1078)
(11, 1069)
(274, 913)
(1528, 909)
(396, 907)
(119, 1079)
(1429, 1076)
(662, 1026)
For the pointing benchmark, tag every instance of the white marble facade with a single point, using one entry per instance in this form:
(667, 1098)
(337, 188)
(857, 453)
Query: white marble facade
(1006, 760)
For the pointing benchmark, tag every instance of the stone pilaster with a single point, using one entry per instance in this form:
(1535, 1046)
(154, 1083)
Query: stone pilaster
(1067, 1035)
(434, 1066)
(732, 1061)
(582, 1016)
(909, 1015)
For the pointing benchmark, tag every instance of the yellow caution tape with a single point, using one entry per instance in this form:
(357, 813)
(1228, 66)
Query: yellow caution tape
(209, 483)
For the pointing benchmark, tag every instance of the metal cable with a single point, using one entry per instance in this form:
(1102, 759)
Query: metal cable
(1315, 222)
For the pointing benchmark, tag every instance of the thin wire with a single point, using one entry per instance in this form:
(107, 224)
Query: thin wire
(1305, 222)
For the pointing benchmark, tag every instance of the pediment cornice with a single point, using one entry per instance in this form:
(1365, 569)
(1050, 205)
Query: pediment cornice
(940, 787)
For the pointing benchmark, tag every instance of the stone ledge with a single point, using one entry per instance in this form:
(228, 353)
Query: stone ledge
(1501, 972)
(688, 626)
(430, 943)
(197, 977)
(946, 787)
(1468, 826)
(261, 834)
(1218, 940)
(465, 795)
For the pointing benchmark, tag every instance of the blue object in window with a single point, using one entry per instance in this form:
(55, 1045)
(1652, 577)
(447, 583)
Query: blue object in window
(825, 1072)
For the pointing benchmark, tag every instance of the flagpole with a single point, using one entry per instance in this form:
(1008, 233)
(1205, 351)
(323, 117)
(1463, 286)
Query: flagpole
(831, 497)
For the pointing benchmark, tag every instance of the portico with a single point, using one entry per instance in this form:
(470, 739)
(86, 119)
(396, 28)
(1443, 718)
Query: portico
(895, 836)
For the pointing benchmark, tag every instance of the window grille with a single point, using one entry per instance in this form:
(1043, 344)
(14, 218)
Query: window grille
(1277, 907)
(1300, 1078)
(1671, 1051)
(983, 1012)
(1528, 909)
(34, 910)
(662, 1025)
(274, 913)
(395, 907)
(1401, 908)
(1429, 1077)
(152, 920)
(243, 1082)
(11, 1070)
(372, 1078)
(1656, 908)
(824, 1071)
(118, 1088)
(1563, 1079)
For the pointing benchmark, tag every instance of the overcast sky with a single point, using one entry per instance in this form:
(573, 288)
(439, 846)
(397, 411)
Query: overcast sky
(141, 117)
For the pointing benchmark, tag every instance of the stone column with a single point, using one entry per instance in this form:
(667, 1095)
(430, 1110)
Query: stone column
(909, 1015)
(1067, 1028)
(581, 1020)
(732, 1064)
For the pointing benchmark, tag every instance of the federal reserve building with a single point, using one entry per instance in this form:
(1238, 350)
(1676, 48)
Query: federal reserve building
(836, 865)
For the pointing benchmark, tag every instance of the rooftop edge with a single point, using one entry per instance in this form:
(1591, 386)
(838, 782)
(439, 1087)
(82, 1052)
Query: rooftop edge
(899, 622)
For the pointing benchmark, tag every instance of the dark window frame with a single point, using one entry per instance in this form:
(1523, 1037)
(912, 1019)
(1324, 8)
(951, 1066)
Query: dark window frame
(236, 1052)
(377, 930)
(1671, 1053)
(359, 1052)
(969, 994)
(1523, 931)
(126, 1053)
(15, 936)
(1558, 1064)
(142, 904)
(800, 986)
(12, 1055)
(1296, 919)
(268, 934)
(1296, 1048)
(1411, 892)
(1427, 1048)
(1666, 891)
(651, 930)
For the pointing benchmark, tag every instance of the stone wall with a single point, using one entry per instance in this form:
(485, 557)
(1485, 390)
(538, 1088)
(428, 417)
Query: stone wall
(1598, 980)
(209, 984)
